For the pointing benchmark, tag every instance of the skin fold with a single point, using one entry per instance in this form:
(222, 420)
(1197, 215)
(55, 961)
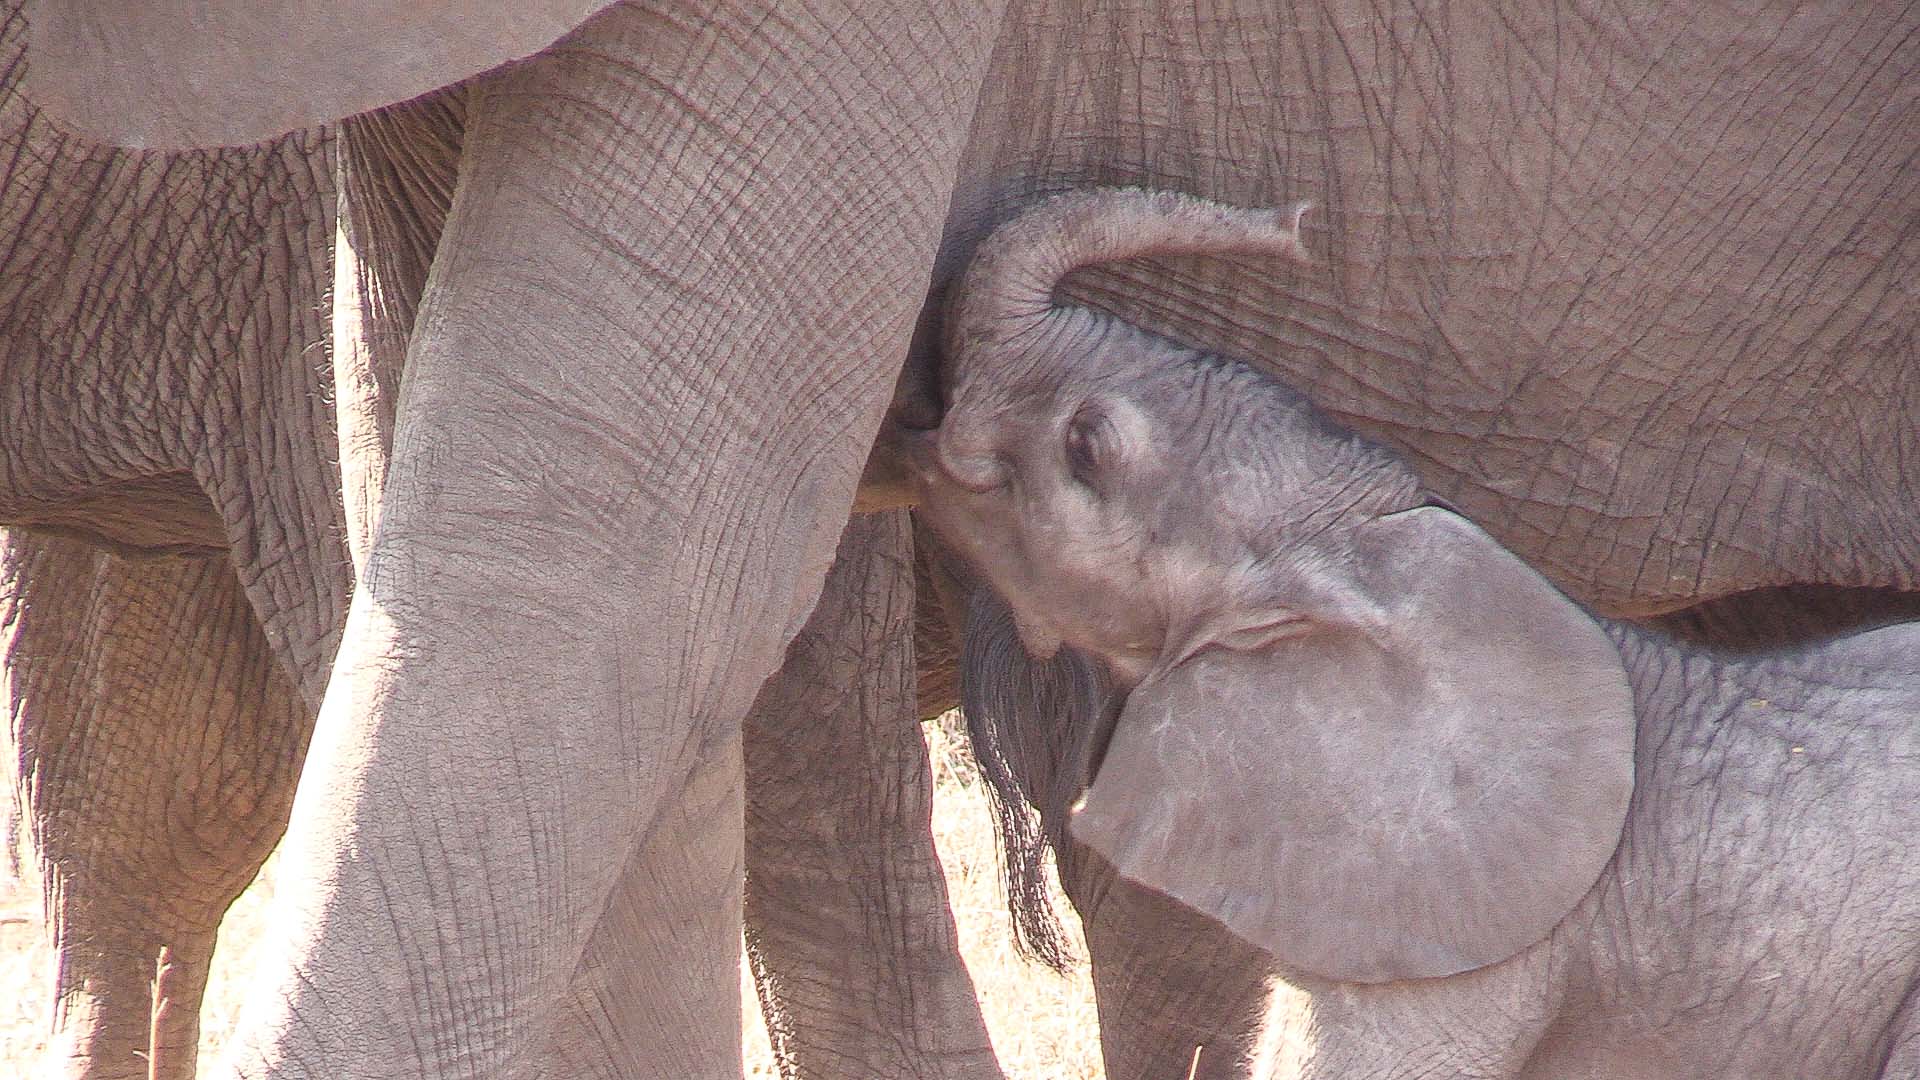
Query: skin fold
(1750, 918)
(1596, 290)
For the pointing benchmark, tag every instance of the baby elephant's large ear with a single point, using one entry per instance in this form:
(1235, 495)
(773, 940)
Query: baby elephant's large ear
(1428, 790)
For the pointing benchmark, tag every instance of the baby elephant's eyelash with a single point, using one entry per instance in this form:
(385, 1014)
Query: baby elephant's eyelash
(1084, 444)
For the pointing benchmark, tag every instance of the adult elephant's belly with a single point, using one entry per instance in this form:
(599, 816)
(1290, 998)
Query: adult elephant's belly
(1629, 294)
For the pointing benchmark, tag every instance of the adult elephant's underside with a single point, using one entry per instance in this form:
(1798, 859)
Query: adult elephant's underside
(1634, 286)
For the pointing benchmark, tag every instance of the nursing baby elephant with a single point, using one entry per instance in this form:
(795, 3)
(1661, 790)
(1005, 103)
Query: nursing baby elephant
(1361, 735)
(1764, 865)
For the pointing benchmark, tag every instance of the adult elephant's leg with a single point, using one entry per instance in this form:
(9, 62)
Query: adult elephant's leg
(1175, 991)
(679, 274)
(1903, 1040)
(847, 921)
(848, 926)
(158, 740)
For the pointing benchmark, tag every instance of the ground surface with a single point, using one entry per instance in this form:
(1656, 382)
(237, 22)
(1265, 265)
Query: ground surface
(1043, 1026)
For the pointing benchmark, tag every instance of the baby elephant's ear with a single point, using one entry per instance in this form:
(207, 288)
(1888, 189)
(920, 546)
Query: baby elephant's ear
(1427, 791)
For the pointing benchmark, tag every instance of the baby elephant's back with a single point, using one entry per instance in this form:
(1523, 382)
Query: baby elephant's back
(1763, 918)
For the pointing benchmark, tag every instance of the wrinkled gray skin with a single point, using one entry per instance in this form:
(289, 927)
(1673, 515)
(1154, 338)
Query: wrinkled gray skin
(1069, 468)
(848, 929)
(1610, 338)
(157, 731)
(156, 739)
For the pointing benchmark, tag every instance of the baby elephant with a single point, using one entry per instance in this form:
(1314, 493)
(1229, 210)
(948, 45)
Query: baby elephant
(1365, 737)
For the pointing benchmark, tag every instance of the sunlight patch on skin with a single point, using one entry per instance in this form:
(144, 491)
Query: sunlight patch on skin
(1287, 1033)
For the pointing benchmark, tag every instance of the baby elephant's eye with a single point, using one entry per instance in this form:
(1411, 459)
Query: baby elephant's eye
(1089, 440)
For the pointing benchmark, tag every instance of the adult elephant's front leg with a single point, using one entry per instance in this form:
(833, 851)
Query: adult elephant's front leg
(678, 277)
(846, 907)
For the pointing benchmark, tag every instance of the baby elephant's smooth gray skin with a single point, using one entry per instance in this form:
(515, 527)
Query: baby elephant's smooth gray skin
(1757, 919)
(1363, 736)
(1761, 918)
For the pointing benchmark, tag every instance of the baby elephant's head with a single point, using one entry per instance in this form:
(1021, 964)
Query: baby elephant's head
(1359, 732)
(1127, 495)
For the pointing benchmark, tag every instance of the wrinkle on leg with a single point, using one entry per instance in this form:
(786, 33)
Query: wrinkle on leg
(675, 908)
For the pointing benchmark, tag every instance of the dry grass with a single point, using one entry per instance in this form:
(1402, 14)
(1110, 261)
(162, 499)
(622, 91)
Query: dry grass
(1043, 1026)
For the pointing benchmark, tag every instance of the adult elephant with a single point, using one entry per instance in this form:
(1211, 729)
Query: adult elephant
(178, 560)
(1590, 274)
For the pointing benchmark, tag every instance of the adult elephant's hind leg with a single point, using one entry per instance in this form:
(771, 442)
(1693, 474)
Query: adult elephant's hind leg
(158, 746)
(848, 925)
(663, 322)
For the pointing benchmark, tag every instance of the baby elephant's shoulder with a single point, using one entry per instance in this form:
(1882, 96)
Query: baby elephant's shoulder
(1860, 692)
(1881, 665)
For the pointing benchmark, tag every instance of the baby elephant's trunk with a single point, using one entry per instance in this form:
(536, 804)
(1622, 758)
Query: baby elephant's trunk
(1008, 288)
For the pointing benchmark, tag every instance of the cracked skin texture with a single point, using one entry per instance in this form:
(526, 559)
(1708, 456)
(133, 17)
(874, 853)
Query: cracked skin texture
(1632, 288)
(172, 577)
